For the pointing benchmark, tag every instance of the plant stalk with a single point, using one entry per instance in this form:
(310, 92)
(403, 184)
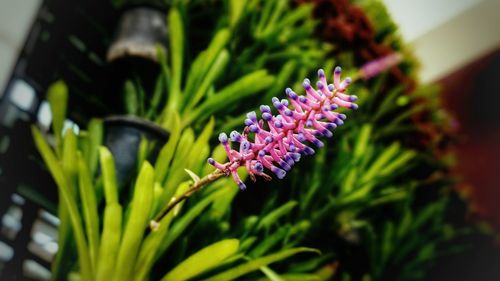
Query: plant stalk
(215, 175)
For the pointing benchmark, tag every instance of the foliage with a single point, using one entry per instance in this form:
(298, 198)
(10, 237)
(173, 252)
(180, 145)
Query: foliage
(358, 201)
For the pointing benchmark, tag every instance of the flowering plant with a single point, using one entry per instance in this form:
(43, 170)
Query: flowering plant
(343, 203)
(282, 141)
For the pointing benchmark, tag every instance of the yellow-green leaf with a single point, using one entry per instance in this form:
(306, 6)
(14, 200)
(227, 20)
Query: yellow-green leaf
(203, 260)
(256, 264)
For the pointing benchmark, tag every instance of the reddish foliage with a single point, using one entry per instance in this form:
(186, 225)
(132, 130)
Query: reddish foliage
(348, 27)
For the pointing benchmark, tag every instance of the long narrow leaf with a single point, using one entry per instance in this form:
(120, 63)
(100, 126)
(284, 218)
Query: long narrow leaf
(167, 152)
(67, 199)
(203, 260)
(256, 264)
(136, 225)
(109, 176)
(176, 53)
(244, 87)
(89, 206)
(110, 242)
(57, 95)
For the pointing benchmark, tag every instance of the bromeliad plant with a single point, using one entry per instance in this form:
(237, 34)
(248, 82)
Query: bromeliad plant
(345, 201)
(123, 250)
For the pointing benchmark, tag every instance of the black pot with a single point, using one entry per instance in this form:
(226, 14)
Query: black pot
(138, 32)
(123, 136)
(132, 54)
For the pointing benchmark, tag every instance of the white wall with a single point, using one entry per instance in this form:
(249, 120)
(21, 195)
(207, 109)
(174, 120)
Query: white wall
(447, 34)
(16, 17)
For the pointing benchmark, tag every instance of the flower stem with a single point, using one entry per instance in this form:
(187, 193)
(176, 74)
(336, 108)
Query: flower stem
(215, 175)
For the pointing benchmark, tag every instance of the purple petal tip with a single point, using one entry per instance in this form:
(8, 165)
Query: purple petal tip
(278, 172)
(318, 143)
(258, 167)
(267, 116)
(252, 116)
(254, 128)
(265, 108)
(327, 134)
(223, 138)
(242, 186)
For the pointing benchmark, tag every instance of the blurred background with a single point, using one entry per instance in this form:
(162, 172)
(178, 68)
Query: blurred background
(456, 41)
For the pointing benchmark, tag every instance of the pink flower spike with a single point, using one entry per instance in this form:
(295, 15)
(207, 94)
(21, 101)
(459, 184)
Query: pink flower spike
(279, 140)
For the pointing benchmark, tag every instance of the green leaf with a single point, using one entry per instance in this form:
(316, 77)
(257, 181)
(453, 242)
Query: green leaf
(65, 235)
(150, 248)
(176, 173)
(165, 71)
(203, 260)
(110, 241)
(200, 143)
(213, 73)
(271, 274)
(269, 242)
(256, 264)
(282, 80)
(184, 221)
(156, 98)
(363, 139)
(277, 12)
(176, 28)
(57, 95)
(275, 215)
(137, 223)
(381, 162)
(70, 160)
(387, 242)
(108, 175)
(63, 186)
(131, 98)
(95, 134)
(246, 86)
(89, 206)
(162, 164)
(301, 277)
(206, 58)
(236, 8)
(405, 223)
(398, 162)
(264, 17)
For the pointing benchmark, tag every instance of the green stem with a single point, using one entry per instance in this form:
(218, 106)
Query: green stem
(217, 174)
